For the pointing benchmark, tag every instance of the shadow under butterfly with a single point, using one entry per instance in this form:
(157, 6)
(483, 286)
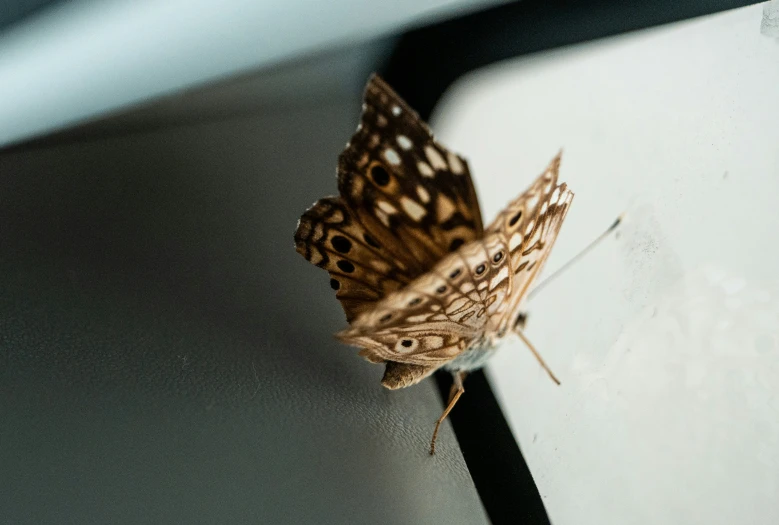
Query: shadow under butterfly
(423, 283)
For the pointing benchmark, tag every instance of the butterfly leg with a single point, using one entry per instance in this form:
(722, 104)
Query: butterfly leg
(538, 356)
(454, 394)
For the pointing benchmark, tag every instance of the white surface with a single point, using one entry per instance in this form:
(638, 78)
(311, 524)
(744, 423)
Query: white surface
(83, 58)
(666, 338)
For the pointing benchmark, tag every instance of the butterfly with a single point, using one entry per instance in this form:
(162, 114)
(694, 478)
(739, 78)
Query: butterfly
(424, 285)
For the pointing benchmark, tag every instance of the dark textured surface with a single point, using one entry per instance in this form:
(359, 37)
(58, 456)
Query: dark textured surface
(13, 11)
(167, 355)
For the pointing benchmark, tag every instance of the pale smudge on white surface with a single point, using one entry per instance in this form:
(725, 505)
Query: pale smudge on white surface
(770, 23)
(695, 379)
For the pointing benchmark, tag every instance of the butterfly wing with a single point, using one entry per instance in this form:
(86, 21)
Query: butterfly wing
(529, 226)
(405, 188)
(405, 201)
(440, 314)
(418, 277)
(472, 296)
(329, 236)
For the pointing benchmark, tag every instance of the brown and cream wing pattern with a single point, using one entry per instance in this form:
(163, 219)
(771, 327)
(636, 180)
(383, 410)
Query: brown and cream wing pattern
(405, 201)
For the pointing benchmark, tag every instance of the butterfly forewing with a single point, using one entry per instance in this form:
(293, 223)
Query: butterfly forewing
(405, 202)
(407, 190)
(529, 226)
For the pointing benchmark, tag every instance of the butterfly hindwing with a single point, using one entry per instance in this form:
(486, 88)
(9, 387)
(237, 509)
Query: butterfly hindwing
(329, 236)
(440, 314)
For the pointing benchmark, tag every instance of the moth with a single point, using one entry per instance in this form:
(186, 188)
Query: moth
(424, 285)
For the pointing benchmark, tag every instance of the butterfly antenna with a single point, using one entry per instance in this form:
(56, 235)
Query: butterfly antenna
(577, 256)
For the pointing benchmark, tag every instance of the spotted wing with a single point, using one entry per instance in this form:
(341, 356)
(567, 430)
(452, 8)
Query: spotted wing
(467, 298)
(361, 272)
(409, 192)
(529, 227)
(405, 202)
(440, 314)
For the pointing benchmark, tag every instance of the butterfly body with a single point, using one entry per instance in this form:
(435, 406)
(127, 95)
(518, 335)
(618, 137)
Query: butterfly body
(473, 357)
(424, 285)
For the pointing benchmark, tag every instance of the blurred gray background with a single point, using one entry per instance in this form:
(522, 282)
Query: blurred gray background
(167, 356)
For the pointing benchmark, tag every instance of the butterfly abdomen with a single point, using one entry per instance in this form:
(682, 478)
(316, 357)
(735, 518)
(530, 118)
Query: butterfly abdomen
(473, 358)
(400, 375)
